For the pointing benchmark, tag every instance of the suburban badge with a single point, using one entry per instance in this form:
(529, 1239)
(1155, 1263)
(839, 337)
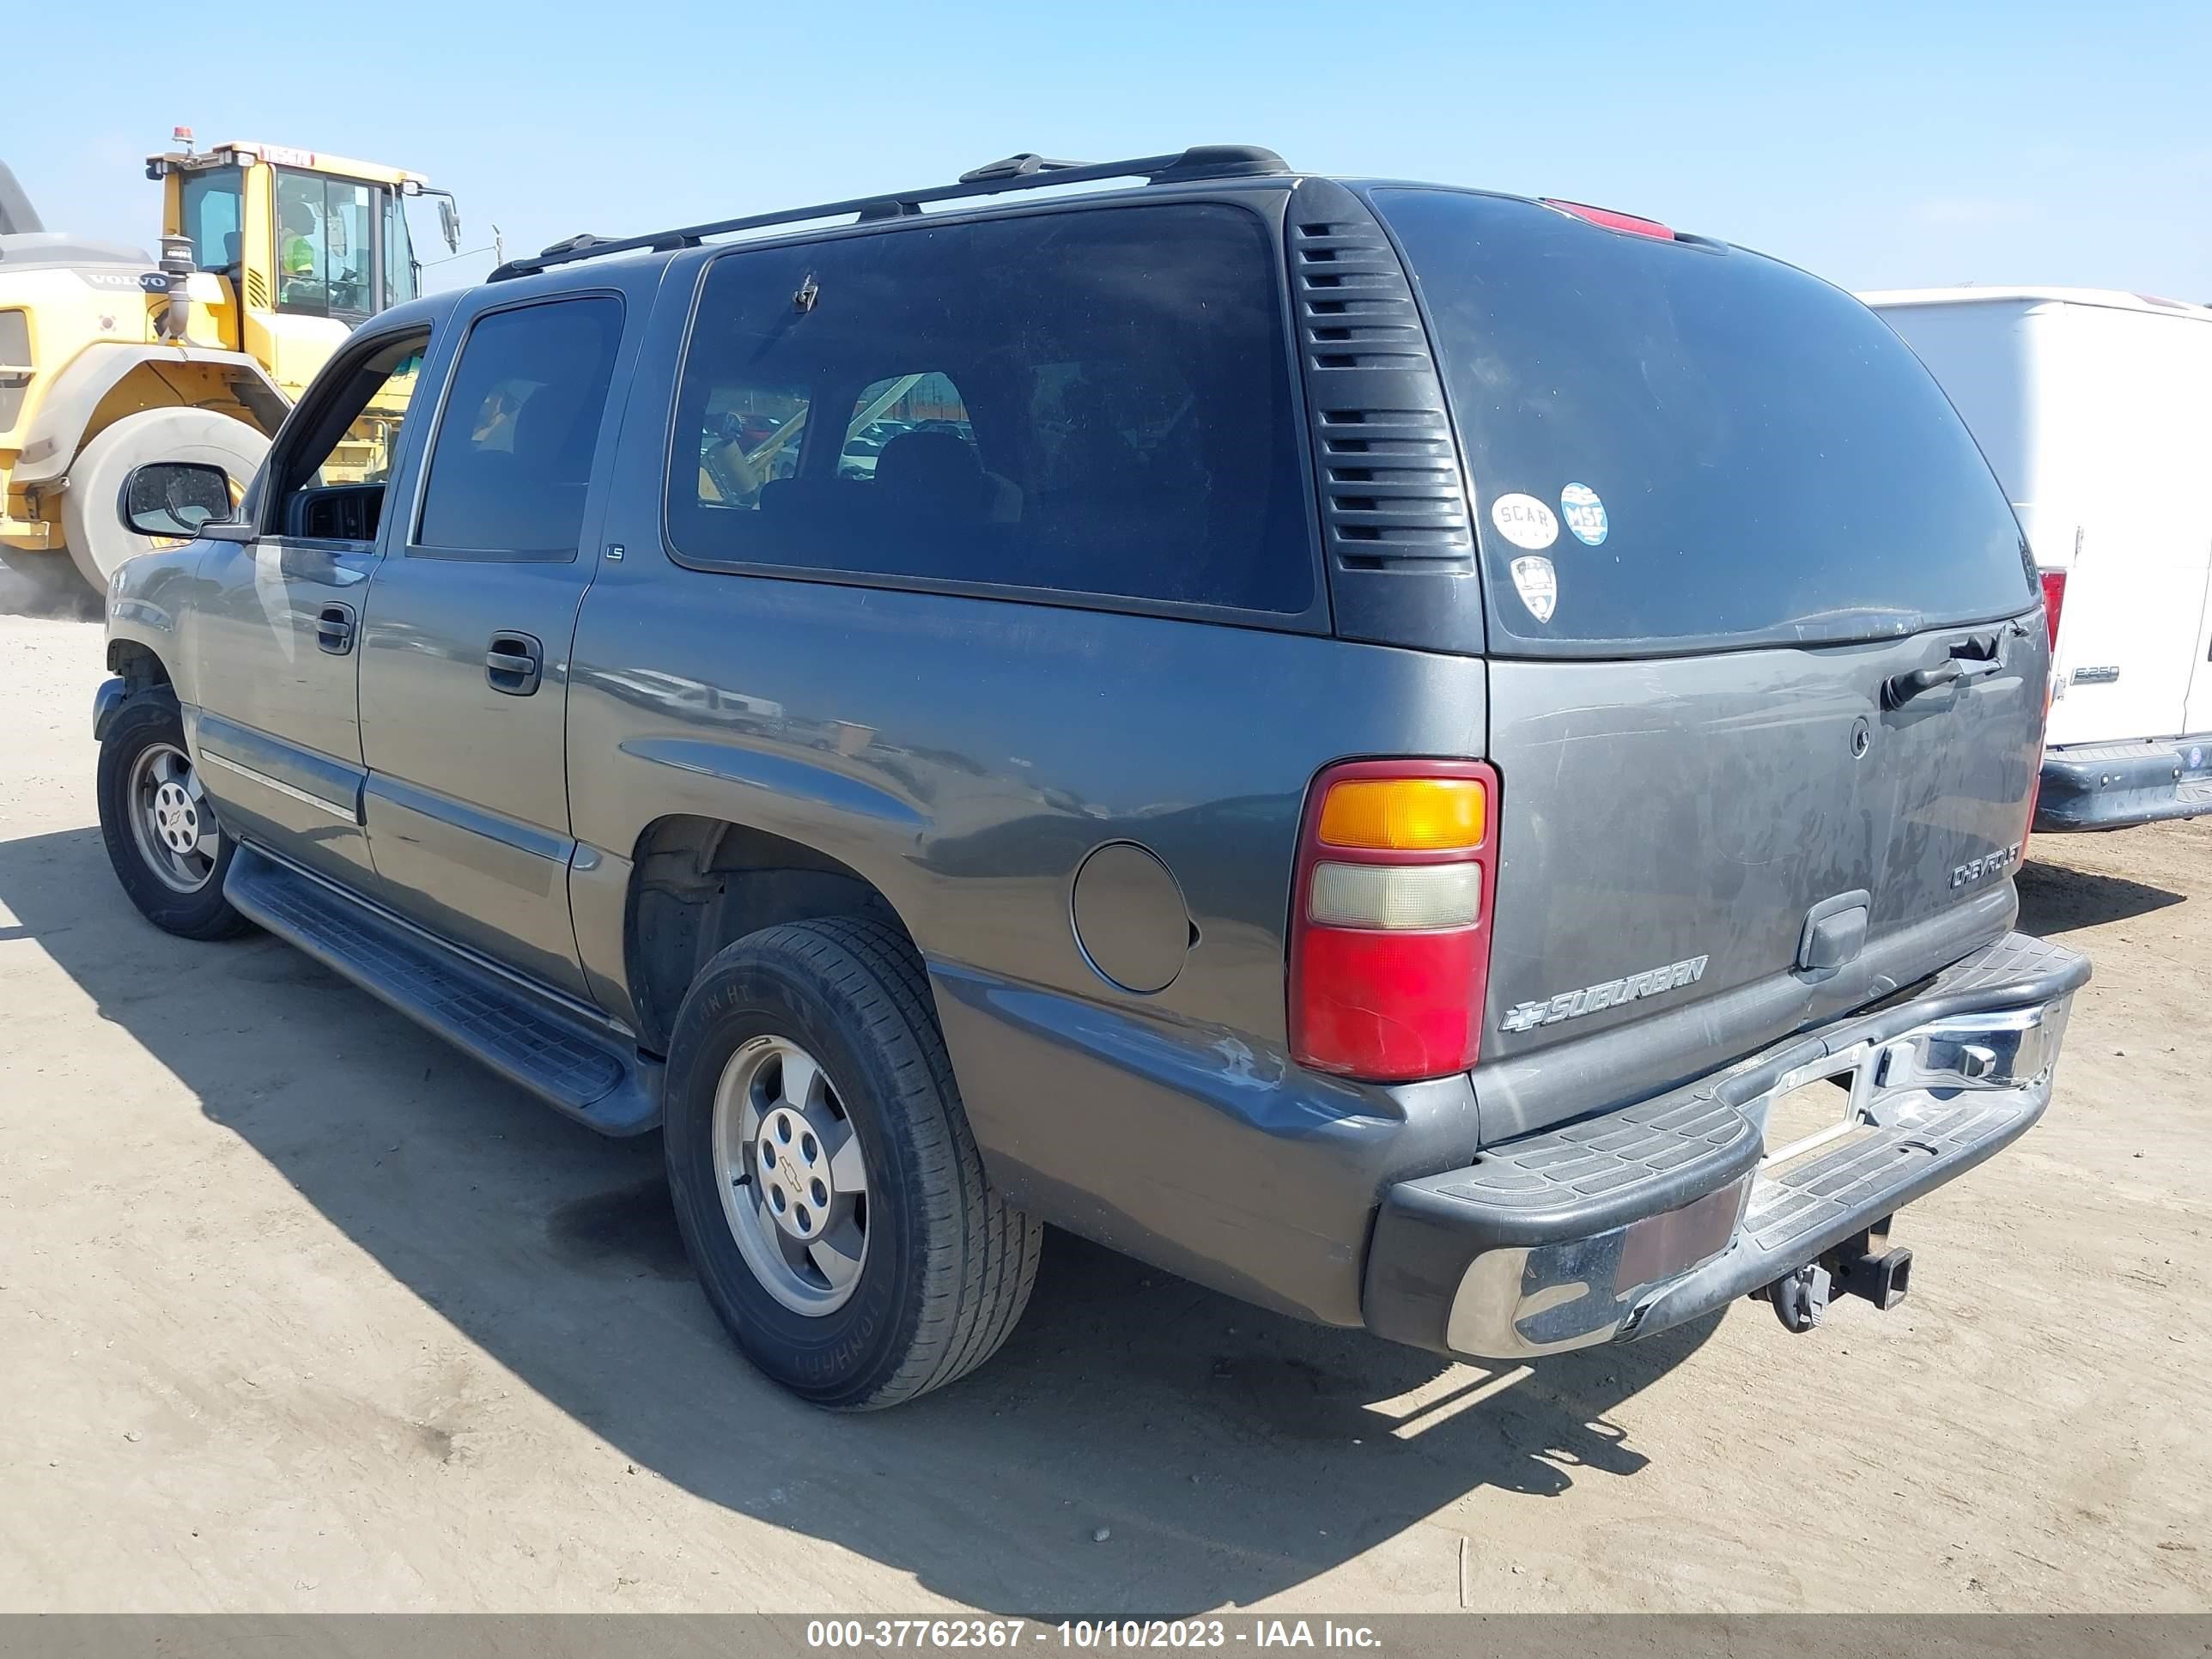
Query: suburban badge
(1573, 1004)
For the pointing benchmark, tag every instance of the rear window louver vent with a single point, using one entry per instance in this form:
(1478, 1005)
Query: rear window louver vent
(1389, 474)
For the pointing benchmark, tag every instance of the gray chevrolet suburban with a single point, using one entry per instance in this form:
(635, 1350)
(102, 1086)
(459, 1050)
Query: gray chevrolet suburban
(1431, 760)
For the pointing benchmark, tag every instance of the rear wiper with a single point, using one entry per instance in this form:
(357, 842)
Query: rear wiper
(1969, 659)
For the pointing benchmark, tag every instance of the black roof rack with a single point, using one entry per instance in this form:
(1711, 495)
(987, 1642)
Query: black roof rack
(1024, 172)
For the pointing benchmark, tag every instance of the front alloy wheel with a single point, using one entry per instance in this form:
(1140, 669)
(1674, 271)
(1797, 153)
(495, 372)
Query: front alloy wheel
(172, 819)
(160, 827)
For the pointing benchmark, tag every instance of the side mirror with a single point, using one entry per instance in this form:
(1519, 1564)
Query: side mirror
(449, 221)
(174, 499)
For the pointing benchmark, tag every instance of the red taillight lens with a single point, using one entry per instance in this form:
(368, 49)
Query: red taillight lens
(1633, 223)
(2050, 597)
(2054, 601)
(1390, 919)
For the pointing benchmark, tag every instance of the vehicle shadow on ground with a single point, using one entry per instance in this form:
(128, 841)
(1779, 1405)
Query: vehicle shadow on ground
(2054, 899)
(1229, 1453)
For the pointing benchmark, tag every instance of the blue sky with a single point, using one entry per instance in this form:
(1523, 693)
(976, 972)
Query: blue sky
(1878, 145)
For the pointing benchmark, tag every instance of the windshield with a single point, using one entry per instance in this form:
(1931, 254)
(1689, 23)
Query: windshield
(211, 216)
(1674, 445)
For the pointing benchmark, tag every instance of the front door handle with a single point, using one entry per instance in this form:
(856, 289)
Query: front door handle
(514, 664)
(334, 629)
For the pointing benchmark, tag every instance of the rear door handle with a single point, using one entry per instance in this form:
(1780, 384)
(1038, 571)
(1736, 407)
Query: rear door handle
(514, 664)
(334, 629)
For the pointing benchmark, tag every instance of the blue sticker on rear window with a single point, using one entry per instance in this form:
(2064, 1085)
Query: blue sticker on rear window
(1585, 513)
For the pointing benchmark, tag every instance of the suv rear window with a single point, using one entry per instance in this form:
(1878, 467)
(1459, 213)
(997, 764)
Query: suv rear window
(1677, 445)
(1093, 402)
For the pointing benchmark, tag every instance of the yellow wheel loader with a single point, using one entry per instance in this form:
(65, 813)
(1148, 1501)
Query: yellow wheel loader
(269, 256)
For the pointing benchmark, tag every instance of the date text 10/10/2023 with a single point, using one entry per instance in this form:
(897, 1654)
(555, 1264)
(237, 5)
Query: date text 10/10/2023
(1082, 1635)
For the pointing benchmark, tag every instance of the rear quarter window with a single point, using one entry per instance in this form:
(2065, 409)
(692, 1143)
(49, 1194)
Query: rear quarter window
(1677, 445)
(1092, 402)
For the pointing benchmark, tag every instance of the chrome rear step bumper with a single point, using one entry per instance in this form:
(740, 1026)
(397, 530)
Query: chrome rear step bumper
(1621, 1225)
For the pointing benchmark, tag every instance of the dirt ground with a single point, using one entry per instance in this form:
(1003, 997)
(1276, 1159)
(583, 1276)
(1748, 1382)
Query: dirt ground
(301, 1310)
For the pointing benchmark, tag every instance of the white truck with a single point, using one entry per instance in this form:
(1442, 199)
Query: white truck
(2095, 409)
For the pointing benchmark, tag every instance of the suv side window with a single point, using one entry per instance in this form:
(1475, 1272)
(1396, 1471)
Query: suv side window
(329, 482)
(1093, 402)
(511, 461)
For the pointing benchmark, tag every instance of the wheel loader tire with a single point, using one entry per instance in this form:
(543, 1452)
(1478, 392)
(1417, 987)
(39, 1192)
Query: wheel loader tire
(91, 520)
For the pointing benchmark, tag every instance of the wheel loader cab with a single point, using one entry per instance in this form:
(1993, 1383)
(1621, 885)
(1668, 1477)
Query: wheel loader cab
(269, 258)
(306, 246)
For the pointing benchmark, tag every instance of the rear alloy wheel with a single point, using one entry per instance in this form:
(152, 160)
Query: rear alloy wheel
(162, 836)
(794, 1179)
(828, 1186)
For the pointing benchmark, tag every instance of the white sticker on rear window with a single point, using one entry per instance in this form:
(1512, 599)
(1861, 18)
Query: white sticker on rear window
(1584, 513)
(1538, 584)
(1524, 521)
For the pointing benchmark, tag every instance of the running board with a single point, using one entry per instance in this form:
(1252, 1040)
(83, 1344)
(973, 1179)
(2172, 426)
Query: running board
(560, 1056)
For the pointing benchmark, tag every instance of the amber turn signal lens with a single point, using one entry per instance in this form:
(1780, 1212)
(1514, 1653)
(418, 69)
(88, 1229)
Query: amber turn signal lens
(1404, 815)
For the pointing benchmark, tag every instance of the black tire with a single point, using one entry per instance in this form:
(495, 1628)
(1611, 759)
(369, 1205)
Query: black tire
(949, 1265)
(148, 721)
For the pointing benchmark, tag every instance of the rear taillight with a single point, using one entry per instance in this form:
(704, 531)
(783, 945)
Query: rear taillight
(2054, 601)
(1390, 919)
(2051, 598)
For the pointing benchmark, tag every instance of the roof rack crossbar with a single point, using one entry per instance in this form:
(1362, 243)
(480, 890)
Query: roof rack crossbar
(1024, 172)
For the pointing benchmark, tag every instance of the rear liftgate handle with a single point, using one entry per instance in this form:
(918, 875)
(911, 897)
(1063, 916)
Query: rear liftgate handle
(513, 664)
